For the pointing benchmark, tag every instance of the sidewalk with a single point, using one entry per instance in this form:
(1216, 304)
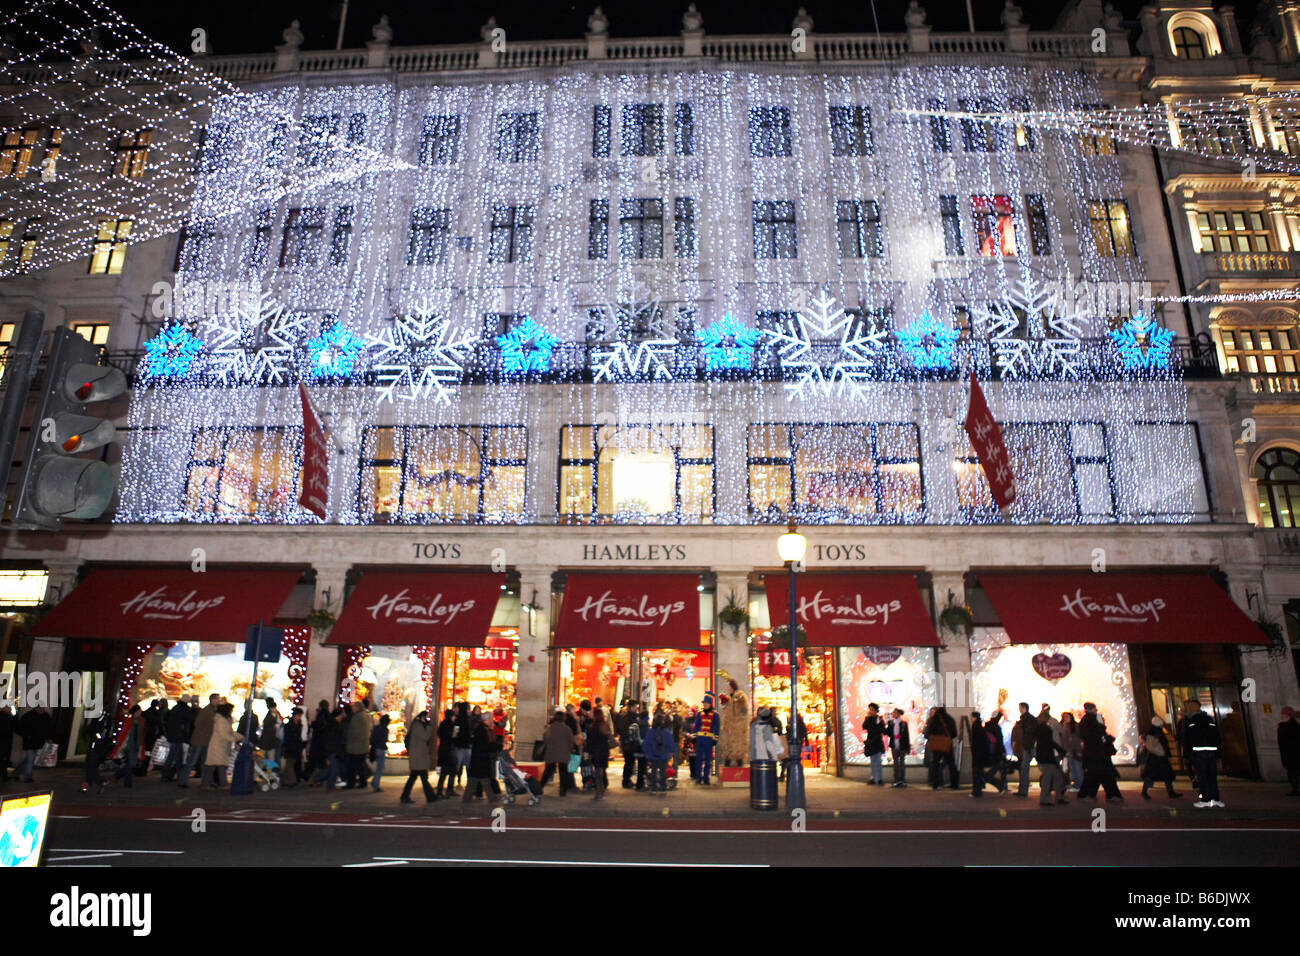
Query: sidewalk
(827, 797)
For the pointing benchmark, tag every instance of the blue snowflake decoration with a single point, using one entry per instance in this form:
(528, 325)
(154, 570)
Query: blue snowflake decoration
(928, 342)
(333, 353)
(526, 348)
(727, 344)
(172, 353)
(1143, 344)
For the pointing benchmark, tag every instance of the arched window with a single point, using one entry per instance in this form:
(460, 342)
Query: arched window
(1189, 44)
(1278, 473)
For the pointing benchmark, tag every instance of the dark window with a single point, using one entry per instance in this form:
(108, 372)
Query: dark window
(598, 230)
(511, 235)
(356, 129)
(684, 130)
(195, 244)
(517, 137)
(684, 227)
(600, 131)
(314, 143)
(276, 145)
(774, 229)
(300, 246)
(641, 228)
(429, 231)
(341, 241)
(1040, 241)
(438, 140)
(951, 218)
(940, 130)
(1189, 44)
(851, 131)
(857, 226)
(769, 131)
(979, 136)
(261, 238)
(643, 129)
(213, 148)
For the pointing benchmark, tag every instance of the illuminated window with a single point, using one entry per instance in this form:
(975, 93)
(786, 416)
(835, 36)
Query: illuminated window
(940, 129)
(1111, 232)
(7, 330)
(995, 229)
(517, 137)
(238, 473)
(471, 473)
(341, 240)
(851, 131)
(857, 227)
(1233, 231)
(1022, 134)
(429, 231)
(684, 227)
(315, 139)
(1254, 350)
(643, 130)
(193, 247)
(1092, 142)
(30, 237)
(1286, 131)
(600, 131)
(1278, 474)
(110, 247)
(951, 219)
(660, 474)
(16, 151)
(1040, 240)
(774, 230)
(300, 244)
(438, 140)
(640, 228)
(53, 146)
(846, 472)
(96, 333)
(132, 151)
(511, 236)
(684, 130)
(769, 131)
(598, 229)
(6, 236)
(1223, 133)
(979, 136)
(23, 588)
(1189, 44)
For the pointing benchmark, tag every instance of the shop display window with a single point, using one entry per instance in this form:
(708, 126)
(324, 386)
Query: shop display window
(201, 669)
(482, 677)
(590, 672)
(398, 682)
(770, 678)
(239, 473)
(888, 677)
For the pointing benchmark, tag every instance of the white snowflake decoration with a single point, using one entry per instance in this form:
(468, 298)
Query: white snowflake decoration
(858, 349)
(648, 355)
(420, 356)
(254, 342)
(1041, 350)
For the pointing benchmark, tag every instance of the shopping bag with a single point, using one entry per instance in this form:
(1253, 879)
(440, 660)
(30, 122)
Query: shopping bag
(158, 756)
(48, 755)
(575, 763)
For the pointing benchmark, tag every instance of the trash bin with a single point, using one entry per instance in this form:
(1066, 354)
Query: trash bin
(762, 784)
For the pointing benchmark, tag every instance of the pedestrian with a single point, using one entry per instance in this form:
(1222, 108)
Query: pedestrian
(99, 736)
(777, 729)
(482, 760)
(35, 727)
(448, 762)
(291, 748)
(200, 737)
(1098, 748)
(464, 738)
(620, 720)
(597, 742)
(132, 750)
(223, 737)
(997, 749)
(249, 726)
(558, 745)
(1288, 746)
(734, 743)
(704, 731)
(873, 744)
(155, 723)
(979, 756)
(269, 738)
(900, 745)
(1048, 752)
(6, 741)
(179, 726)
(1023, 738)
(1156, 767)
(940, 738)
(333, 745)
(357, 736)
(658, 750)
(1073, 744)
(316, 757)
(419, 757)
(763, 741)
(1201, 735)
(379, 749)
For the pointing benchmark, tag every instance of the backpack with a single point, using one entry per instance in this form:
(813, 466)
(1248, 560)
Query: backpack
(632, 738)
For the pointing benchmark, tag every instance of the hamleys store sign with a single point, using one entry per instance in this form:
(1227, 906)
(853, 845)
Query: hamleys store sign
(627, 611)
(1111, 610)
(156, 605)
(849, 610)
(403, 608)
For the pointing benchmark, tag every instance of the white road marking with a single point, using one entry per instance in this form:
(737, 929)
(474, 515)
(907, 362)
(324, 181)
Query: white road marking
(349, 866)
(453, 859)
(64, 816)
(69, 849)
(85, 856)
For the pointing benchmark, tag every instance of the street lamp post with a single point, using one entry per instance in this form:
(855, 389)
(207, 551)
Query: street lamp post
(792, 547)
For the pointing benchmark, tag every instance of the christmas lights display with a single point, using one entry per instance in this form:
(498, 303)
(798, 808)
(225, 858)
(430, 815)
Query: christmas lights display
(1143, 344)
(526, 348)
(928, 343)
(420, 355)
(1028, 333)
(172, 353)
(850, 365)
(334, 352)
(727, 344)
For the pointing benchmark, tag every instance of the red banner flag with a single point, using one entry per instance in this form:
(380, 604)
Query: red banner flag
(986, 439)
(315, 460)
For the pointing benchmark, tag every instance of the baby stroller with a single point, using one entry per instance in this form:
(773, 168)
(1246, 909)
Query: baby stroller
(266, 773)
(518, 782)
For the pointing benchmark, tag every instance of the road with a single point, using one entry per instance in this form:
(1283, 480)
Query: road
(144, 837)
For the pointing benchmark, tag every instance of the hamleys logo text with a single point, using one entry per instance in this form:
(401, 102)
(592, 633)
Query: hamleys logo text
(817, 607)
(1082, 606)
(409, 612)
(155, 604)
(643, 614)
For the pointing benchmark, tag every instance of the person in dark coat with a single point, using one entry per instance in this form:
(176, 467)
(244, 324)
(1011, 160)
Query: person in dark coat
(558, 741)
(180, 721)
(316, 756)
(979, 756)
(379, 748)
(464, 738)
(997, 751)
(291, 749)
(482, 762)
(900, 745)
(942, 725)
(6, 741)
(873, 744)
(1048, 753)
(155, 723)
(448, 762)
(1098, 748)
(1288, 746)
(333, 742)
(35, 727)
(1201, 737)
(1024, 737)
(99, 733)
(136, 728)
(597, 742)
(1157, 768)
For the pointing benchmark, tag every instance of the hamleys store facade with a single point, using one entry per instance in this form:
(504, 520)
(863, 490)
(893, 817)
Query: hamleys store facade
(529, 617)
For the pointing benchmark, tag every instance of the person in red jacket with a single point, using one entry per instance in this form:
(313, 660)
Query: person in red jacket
(705, 731)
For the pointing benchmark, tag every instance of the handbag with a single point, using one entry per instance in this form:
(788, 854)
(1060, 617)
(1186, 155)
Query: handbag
(940, 743)
(539, 750)
(575, 763)
(48, 756)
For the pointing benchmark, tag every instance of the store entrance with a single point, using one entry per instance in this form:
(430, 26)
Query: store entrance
(1167, 702)
(770, 678)
(651, 676)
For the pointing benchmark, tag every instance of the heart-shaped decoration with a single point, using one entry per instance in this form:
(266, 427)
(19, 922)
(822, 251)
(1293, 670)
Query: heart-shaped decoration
(1051, 667)
(882, 655)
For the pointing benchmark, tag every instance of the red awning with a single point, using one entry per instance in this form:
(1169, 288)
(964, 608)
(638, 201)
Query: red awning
(150, 604)
(853, 610)
(1117, 608)
(439, 608)
(630, 610)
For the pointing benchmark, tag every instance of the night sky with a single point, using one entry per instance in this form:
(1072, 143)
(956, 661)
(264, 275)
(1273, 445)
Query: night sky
(254, 26)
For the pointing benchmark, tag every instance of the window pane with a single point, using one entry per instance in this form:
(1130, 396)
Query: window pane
(696, 441)
(696, 492)
(576, 441)
(896, 441)
(503, 492)
(1094, 490)
(769, 485)
(507, 444)
(575, 489)
(769, 441)
(380, 490)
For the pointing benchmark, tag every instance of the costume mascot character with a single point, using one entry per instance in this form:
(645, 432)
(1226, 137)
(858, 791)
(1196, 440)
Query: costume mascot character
(705, 733)
(735, 729)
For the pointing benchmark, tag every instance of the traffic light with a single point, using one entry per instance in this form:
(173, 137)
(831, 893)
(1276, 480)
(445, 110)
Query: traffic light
(55, 484)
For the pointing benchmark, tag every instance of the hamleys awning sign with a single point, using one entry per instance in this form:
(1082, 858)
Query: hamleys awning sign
(630, 610)
(843, 610)
(447, 609)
